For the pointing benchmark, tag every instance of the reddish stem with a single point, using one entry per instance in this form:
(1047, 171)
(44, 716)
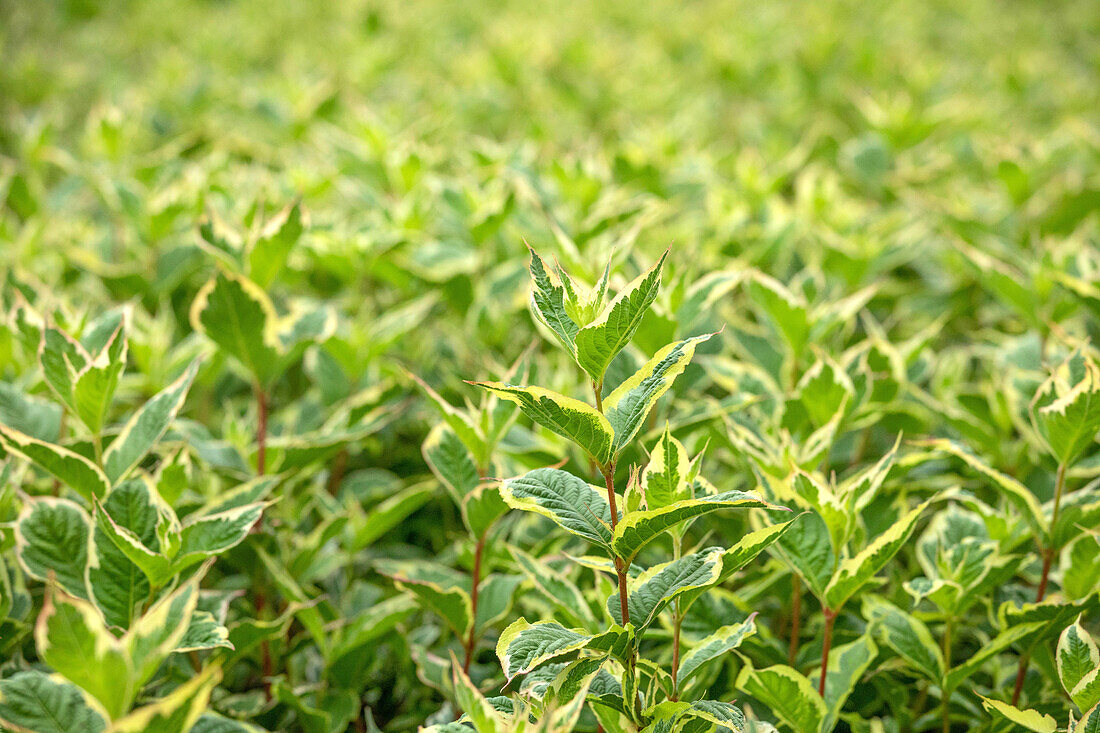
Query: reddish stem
(261, 430)
(827, 642)
(1048, 560)
(796, 618)
(676, 656)
(267, 667)
(620, 566)
(471, 640)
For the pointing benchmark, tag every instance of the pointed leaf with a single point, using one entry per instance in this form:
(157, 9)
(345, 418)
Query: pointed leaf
(714, 646)
(787, 693)
(146, 427)
(653, 590)
(1028, 719)
(629, 405)
(40, 703)
(855, 572)
(51, 536)
(237, 315)
(567, 417)
(572, 503)
(72, 639)
(1077, 655)
(73, 469)
(638, 528)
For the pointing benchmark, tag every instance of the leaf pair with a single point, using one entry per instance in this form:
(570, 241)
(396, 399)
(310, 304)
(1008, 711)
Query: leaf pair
(603, 435)
(571, 315)
(237, 315)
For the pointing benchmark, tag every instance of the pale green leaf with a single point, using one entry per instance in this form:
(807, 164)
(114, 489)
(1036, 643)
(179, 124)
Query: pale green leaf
(638, 528)
(1076, 655)
(76, 471)
(72, 639)
(855, 572)
(1028, 719)
(38, 703)
(787, 693)
(146, 427)
(237, 315)
(600, 341)
(572, 503)
(713, 646)
(52, 537)
(567, 417)
(629, 405)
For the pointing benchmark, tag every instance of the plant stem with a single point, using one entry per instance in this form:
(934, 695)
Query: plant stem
(620, 566)
(948, 632)
(261, 429)
(1048, 559)
(267, 667)
(677, 622)
(471, 641)
(796, 618)
(827, 645)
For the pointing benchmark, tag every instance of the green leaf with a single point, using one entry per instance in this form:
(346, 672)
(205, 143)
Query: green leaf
(160, 630)
(1029, 719)
(1067, 416)
(470, 701)
(61, 357)
(271, 248)
(481, 508)
(457, 420)
(116, 583)
(600, 341)
(212, 534)
(177, 711)
(664, 479)
(94, 386)
(436, 591)
(154, 564)
(73, 469)
(847, 664)
(204, 632)
(638, 528)
(907, 636)
(237, 315)
(1090, 721)
(573, 504)
(567, 417)
(523, 646)
(40, 703)
(787, 693)
(713, 646)
(654, 589)
(855, 572)
(451, 462)
(51, 537)
(787, 312)
(72, 639)
(34, 416)
(548, 305)
(370, 624)
(1012, 489)
(1087, 692)
(146, 427)
(555, 587)
(387, 514)
(958, 674)
(823, 390)
(629, 405)
(808, 549)
(1076, 656)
